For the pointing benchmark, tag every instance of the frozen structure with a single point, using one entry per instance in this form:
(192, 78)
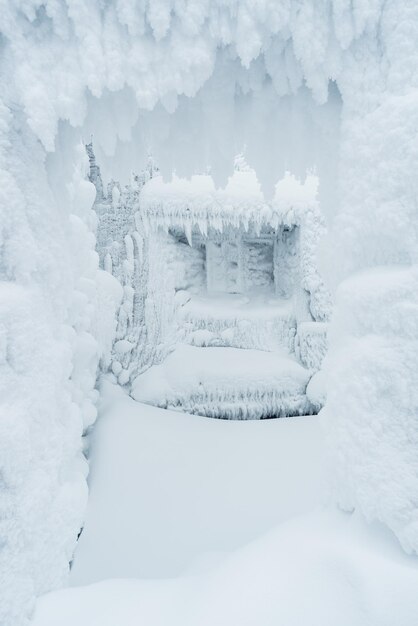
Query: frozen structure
(249, 298)
(302, 84)
(144, 332)
(224, 272)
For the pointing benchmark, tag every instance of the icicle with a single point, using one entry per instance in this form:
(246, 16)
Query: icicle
(203, 226)
(188, 231)
(129, 245)
(115, 196)
(138, 221)
(108, 264)
(139, 245)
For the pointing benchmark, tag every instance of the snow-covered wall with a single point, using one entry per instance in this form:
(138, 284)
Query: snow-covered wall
(51, 340)
(372, 405)
(370, 413)
(220, 74)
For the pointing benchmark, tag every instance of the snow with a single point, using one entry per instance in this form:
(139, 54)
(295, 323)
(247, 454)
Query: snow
(323, 568)
(311, 344)
(226, 382)
(42, 472)
(50, 290)
(260, 322)
(180, 543)
(372, 398)
(171, 491)
(198, 200)
(329, 86)
(115, 63)
(316, 391)
(196, 207)
(166, 237)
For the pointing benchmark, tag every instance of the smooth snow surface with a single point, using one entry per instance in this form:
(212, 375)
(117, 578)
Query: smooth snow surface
(226, 382)
(171, 491)
(172, 495)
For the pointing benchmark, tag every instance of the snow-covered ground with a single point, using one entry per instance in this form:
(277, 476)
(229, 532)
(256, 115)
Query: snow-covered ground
(324, 569)
(193, 521)
(170, 491)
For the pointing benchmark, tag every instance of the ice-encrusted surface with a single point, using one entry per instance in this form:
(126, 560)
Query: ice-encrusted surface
(126, 54)
(197, 201)
(51, 341)
(226, 382)
(261, 323)
(144, 331)
(225, 217)
(311, 344)
(219, 528)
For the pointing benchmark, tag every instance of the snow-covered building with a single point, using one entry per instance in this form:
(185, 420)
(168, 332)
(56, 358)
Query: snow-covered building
(224, 312)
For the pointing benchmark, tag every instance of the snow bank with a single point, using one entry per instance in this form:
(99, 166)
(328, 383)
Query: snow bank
(324, 568)
(370, 416)
(43, 473)
(185, 523)
(226, 382)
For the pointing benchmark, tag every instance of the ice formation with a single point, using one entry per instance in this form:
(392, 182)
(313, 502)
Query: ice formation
(330, 85)
(373, 357)
(51, 341)
(233, 383)
(136, 261)
(214, 268)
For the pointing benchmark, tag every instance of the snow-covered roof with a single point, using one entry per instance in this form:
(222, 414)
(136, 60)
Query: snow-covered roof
(197, 201)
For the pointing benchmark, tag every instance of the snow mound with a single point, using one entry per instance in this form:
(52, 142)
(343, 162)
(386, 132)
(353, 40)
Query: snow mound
(226, 382)
(370, 417)
(322, 569)
(186, 202)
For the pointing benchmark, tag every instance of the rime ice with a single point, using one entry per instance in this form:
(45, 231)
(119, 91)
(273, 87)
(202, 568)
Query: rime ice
(325, 89)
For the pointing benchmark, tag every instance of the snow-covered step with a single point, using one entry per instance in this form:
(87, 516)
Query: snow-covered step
(260, 323)
(226, 383)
